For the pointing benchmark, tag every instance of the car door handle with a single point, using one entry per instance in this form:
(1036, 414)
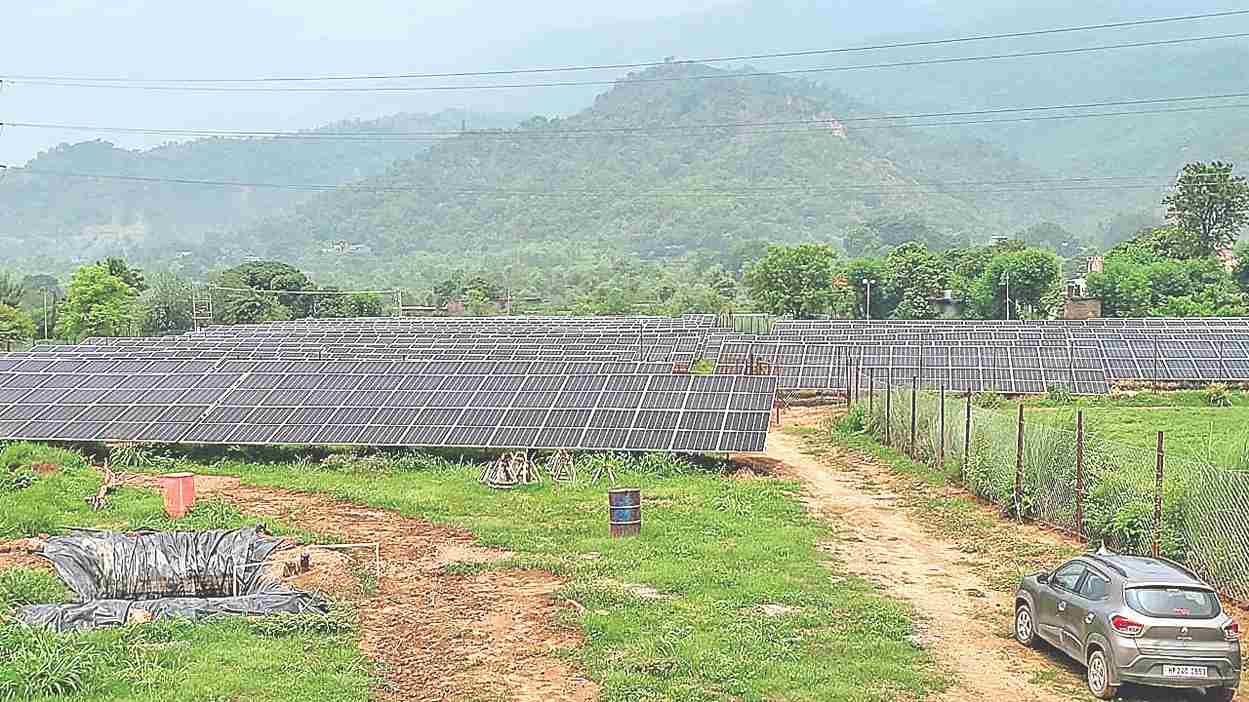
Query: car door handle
(1062, 606)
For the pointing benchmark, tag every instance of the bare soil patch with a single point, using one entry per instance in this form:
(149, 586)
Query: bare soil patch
(437, 636)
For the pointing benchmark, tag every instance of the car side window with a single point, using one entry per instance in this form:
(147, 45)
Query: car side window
(1094, 586)
(1068, 576)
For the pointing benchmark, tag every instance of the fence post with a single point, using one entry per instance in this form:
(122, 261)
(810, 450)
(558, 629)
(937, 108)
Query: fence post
(1019, 466)
(849, 379)
(1158, 499)
(888, 412)
(871, 389)
(941, 449)
(962, 476)
(914, 394)
(1080, 473)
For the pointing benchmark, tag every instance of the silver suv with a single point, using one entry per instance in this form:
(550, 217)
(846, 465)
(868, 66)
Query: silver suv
(1132, 620)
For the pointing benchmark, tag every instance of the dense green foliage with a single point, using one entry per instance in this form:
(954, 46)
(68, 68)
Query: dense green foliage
(795, 281)
(50, 220)
(1211, 204)
(15, 326)
(1161, 273)
(98, 304)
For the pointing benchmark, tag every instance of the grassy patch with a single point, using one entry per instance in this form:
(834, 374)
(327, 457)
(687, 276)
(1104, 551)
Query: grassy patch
(269, 660)
(676, 613)
(1190, 429)
(56, 502)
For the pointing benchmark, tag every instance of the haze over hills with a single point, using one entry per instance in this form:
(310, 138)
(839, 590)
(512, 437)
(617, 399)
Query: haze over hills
(672, 187)
(64, 217)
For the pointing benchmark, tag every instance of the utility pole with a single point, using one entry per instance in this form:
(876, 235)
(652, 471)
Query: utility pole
(1006, 276)
(867, 310)
(45, 314)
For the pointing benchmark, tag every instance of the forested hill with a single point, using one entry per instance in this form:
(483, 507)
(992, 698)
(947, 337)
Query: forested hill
(797, 174)
(55, 215)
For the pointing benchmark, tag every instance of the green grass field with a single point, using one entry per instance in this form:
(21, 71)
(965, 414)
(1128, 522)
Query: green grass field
(1190, 424)
(716, 548)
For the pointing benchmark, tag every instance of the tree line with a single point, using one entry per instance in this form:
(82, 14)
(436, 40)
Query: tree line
(892, 267)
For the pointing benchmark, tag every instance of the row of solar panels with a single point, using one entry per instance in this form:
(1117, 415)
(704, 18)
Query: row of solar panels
(1144, 322)
(271, 403)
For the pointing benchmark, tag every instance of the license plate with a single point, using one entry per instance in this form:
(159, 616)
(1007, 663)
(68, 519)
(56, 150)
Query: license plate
(1185, 671)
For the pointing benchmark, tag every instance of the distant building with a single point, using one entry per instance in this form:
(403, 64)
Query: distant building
(946, 306)
(1078, 304)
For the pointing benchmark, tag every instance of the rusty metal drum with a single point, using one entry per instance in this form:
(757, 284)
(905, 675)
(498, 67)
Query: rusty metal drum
(626, 512)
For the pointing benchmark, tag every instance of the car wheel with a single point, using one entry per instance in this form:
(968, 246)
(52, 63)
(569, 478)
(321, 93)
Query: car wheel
(1025, 626)
(1220, 694)
(1099, 677)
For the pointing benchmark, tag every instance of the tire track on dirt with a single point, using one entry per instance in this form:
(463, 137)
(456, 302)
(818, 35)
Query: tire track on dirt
(957, 607)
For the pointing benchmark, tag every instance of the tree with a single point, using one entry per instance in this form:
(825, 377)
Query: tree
(794, 280)
(1211, 203)
(15, 326)
(98, 304)
(353, 305)
(1033, 276)
(915, 276)
(1158, 244)
(1052, 236)
(883, 301)
(132, 277)
(1196, 286)
(880, 234)
(11, 290)
(165, 307)
(265, 276)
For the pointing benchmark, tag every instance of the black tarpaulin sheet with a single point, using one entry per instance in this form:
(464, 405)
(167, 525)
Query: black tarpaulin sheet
(121, 578)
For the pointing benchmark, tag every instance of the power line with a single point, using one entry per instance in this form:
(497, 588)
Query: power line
(630, 81)
(815, 126)
(649, 64)
(1033, 185)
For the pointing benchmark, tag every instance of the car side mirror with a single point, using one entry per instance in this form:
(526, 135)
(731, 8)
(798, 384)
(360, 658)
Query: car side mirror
(1043, 578)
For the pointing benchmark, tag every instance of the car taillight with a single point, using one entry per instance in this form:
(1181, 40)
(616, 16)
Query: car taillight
(1231, 632)
(1126, 626)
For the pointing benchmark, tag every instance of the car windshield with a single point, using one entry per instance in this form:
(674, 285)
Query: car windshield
(1174, 602)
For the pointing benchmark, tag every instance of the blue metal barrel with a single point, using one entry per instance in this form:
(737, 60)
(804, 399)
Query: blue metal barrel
(626, 511)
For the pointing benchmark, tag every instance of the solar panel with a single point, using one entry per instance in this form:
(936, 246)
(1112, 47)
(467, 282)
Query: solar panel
(361, 405)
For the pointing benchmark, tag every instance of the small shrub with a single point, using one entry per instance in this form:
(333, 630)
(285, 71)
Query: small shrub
(1218, 395)
(852, 422)
(1059, 395)
(134, 456)
(988, 399)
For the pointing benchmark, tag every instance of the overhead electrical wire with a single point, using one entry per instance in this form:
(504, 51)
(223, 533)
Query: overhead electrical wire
(995, 186)
(815, 126)
(648, 64)
(726, 75)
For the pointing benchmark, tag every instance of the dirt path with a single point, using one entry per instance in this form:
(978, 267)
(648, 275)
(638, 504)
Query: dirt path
(438, 636)
(959, 612)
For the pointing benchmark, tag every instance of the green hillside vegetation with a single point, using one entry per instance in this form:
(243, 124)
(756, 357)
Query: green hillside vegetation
(662, 193)
(51, 219)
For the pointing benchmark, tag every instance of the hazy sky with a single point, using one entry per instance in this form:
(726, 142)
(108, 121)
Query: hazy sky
(160, 39)
(227, 38)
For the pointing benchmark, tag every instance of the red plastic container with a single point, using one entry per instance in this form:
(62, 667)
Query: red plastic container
(179, 491)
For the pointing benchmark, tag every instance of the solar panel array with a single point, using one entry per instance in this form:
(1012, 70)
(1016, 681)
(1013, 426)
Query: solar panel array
(391, 383)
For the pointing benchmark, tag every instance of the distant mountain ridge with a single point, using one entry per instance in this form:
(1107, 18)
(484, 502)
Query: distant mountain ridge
(55, 216)
(673, 189)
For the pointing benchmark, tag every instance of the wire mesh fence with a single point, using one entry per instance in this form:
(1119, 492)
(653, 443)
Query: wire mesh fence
(1135, 500)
